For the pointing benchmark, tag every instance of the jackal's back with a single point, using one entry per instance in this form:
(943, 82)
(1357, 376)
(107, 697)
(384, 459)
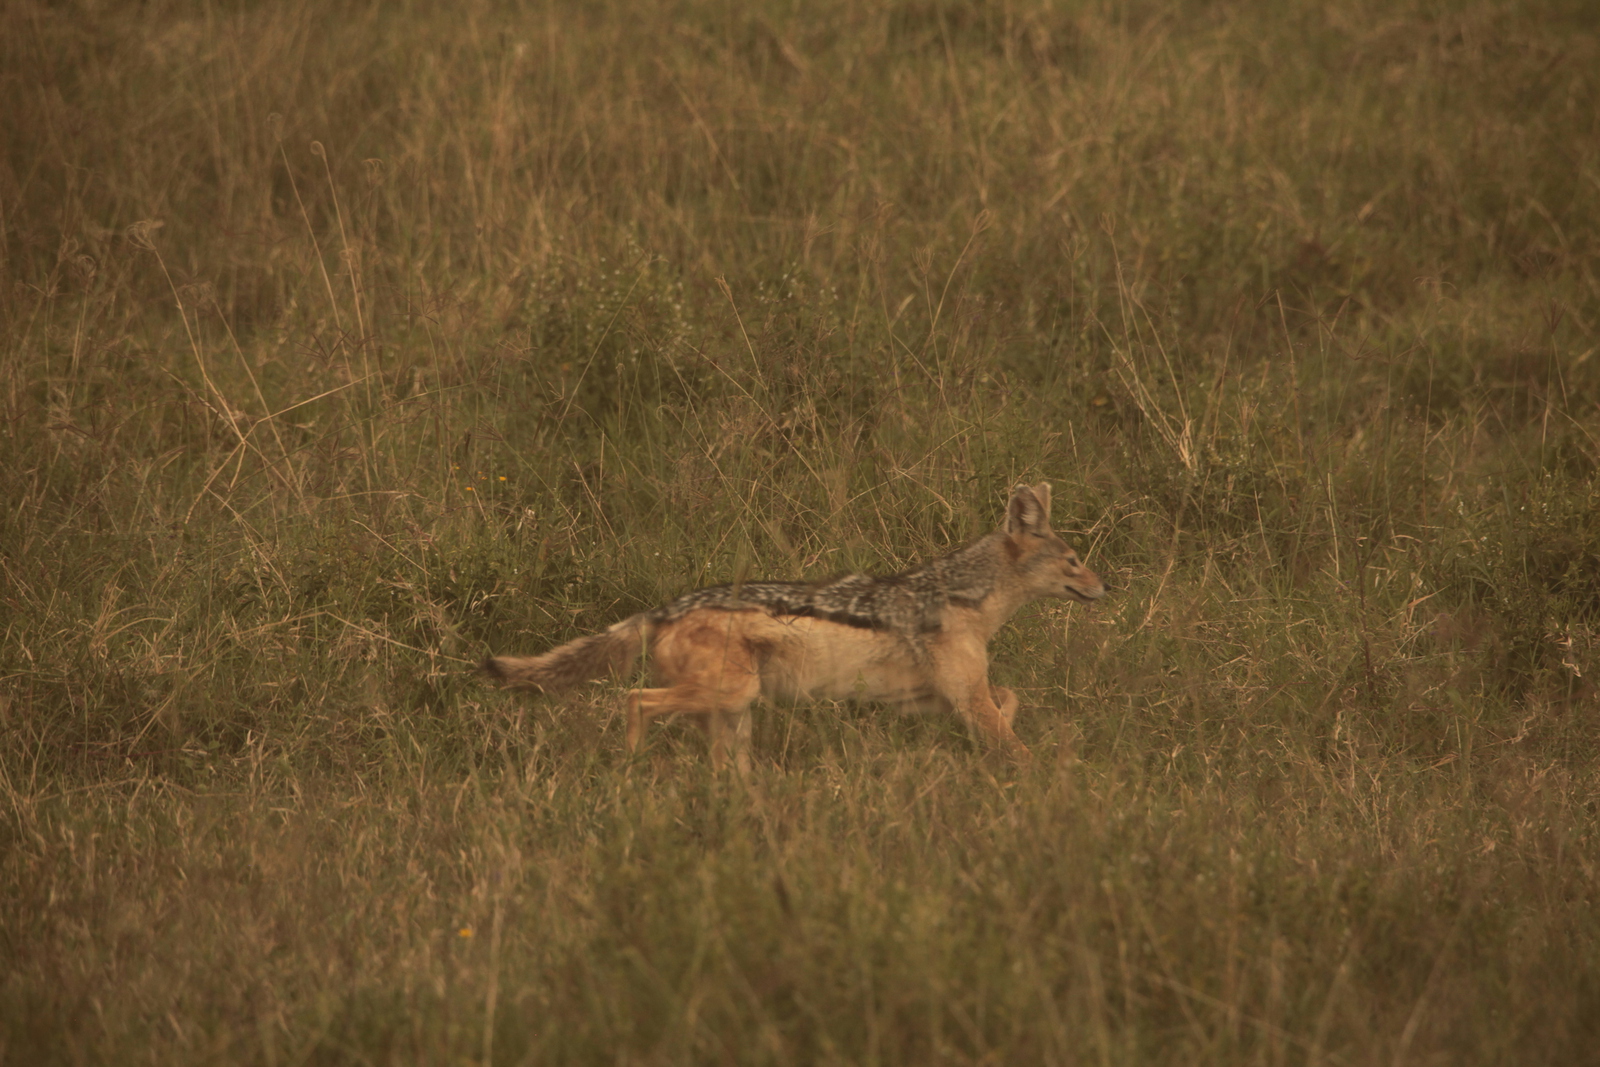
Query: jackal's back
(862, 601)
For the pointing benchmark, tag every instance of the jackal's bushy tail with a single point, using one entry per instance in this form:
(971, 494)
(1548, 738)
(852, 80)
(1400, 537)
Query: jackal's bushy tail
(611, 651)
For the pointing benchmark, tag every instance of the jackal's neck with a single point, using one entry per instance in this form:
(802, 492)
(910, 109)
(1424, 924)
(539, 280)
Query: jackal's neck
(974, 579)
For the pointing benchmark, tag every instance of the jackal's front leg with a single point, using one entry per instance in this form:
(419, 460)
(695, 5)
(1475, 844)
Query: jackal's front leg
(961, 675)
(994, 721)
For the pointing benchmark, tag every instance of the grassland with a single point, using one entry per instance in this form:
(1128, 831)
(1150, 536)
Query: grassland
(342, 343)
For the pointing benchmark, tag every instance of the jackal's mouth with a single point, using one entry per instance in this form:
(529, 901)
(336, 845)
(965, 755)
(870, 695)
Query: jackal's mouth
(1085, 598)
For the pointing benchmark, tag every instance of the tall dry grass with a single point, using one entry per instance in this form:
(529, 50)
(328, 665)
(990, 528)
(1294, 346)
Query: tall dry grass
(340, 344)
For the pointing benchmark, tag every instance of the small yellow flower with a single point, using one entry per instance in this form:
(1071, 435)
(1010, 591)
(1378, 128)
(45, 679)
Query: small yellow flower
(468, 488)
(502, 477)
(465, 931)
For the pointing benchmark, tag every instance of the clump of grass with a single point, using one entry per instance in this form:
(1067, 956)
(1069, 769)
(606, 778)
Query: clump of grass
(338, 350)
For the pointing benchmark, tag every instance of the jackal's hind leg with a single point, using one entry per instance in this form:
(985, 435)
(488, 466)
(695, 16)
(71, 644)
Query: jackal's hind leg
(636, 717)
(1006, 701)
(730, 729)
(722, 712)
(646, 704)
(711, 665)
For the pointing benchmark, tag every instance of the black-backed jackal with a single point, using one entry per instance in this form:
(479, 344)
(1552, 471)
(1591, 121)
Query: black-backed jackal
(918, 639)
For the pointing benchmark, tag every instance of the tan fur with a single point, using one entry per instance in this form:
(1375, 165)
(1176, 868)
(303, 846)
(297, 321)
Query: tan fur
(918, 640)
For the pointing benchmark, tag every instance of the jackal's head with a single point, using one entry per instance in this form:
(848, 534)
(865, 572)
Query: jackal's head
(1038, 558)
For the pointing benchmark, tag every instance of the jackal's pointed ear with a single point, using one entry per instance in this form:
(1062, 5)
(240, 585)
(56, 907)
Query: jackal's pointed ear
(1041, 493)
(1029, 510)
